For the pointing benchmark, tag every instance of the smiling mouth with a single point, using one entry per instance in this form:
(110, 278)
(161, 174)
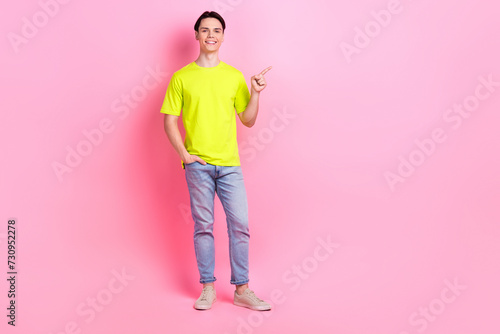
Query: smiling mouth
(211, 42)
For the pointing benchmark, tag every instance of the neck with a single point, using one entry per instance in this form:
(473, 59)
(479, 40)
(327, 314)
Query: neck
(208, 59)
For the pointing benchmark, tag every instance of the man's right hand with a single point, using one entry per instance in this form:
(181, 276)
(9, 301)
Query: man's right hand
(193, 158)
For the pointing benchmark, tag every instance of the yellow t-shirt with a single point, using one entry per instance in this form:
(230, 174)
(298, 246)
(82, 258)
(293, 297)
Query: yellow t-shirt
(208, 97)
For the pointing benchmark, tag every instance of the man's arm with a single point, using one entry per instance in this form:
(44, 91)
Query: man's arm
(174, 135)
(249, 115)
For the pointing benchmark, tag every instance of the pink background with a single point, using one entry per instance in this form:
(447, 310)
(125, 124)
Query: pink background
(318, 173)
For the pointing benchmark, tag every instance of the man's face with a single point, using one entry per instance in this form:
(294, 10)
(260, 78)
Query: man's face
(210, 34)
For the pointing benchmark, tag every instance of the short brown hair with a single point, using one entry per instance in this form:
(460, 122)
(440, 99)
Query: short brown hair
(207, 14)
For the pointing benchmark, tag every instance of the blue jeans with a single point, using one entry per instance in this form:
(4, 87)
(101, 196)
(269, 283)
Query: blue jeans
(204, 181)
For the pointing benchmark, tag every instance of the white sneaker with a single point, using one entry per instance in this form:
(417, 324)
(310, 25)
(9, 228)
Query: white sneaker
(249, 300)
(206, 299)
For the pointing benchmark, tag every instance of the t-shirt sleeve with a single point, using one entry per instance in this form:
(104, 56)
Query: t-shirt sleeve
(242, 95)
(174, 100)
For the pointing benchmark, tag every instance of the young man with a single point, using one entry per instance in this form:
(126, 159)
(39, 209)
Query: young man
(208, 91)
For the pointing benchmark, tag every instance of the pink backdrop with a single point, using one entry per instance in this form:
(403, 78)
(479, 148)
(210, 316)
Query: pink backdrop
(372, 171)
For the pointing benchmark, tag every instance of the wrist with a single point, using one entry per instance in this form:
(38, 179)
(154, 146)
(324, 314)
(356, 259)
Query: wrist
(185, 156)
(254, 93)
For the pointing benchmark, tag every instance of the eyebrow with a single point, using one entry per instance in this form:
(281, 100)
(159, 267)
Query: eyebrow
(209, 28)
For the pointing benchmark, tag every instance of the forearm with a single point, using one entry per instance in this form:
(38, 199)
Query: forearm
(249, 116)
(174, 136)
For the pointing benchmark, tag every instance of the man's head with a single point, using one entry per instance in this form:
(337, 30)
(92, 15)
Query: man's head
(209, 31)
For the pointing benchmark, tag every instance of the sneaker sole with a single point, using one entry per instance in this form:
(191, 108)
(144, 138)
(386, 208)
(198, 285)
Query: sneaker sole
(207, 307)
(255, 308)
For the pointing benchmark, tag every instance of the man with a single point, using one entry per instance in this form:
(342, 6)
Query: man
(208, 91)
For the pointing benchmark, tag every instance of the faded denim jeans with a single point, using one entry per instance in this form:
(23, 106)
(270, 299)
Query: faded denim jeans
(204, 181)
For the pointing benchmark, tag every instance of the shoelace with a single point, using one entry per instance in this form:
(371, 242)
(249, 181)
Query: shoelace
(252, 295)
(204, 294)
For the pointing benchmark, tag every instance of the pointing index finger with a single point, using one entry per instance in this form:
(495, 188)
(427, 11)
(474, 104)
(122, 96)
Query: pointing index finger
(266, 70)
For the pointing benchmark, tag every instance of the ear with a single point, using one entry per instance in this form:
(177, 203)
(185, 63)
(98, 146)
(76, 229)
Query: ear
(196, 35)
